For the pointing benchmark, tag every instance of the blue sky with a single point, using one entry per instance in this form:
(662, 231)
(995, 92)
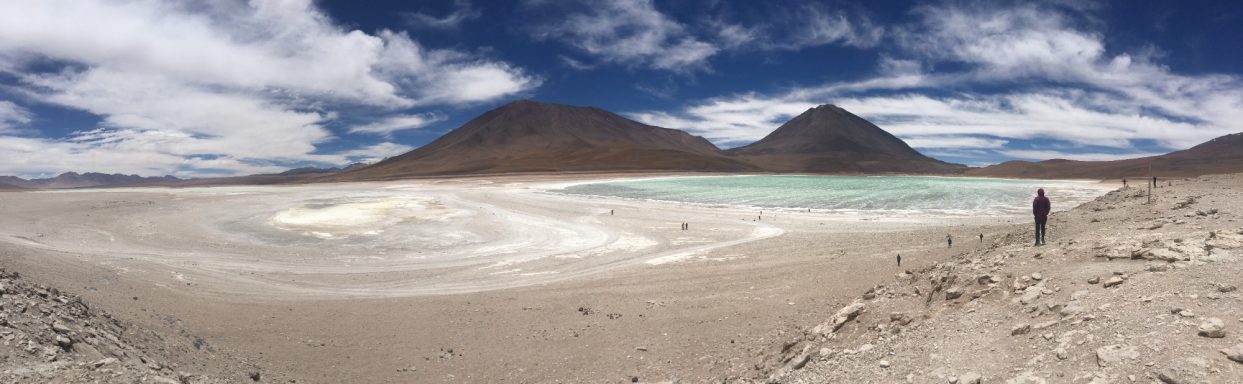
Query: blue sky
(240, 87)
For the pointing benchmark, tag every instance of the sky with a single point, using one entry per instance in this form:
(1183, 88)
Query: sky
(230, 87)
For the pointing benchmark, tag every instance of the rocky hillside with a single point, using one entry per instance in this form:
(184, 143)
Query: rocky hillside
(47, 335)
(829, 139)
(1125, 292)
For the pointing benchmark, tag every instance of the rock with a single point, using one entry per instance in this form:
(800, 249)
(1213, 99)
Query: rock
(1234, 353)
(1113, 281)
(1061, 353)
(1114, 354)
(884, 363)
(64, 342)
(1226, 288)
(60, 327)
(1168, 377)
(986, 279)
(1037, 276)
(254, 375)
(1031, 294)
(970, 378)
(1213, 328)
(840, 318)
(641, 349)
(953, 293)
(1020, 329)
(103, 362)
(1094, 279)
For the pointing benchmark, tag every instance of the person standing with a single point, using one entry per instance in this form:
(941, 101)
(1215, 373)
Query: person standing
(1124, 183)
(1040, 209)
(949, 240)
(899, 259)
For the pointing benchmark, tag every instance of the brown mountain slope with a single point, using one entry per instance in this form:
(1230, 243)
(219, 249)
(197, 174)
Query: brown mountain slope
(1221, 155)
(526, 136)
(828, 139)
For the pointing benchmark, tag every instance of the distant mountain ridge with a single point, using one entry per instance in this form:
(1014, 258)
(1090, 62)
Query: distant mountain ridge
(1217, 156)
(829, 139)
(81, 180)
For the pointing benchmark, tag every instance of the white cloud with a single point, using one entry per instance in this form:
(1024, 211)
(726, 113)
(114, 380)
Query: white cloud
(244, 84)
(374, 153)
(12, 116)
(398, 123)
(630, 32)
(1083, 156)
(944, 141)
(462, 12)
(1029, 74)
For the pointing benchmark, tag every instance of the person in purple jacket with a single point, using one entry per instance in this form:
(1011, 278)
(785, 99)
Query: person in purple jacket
(1040, 208)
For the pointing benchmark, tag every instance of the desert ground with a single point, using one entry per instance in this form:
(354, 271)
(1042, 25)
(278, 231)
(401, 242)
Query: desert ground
(493, 279)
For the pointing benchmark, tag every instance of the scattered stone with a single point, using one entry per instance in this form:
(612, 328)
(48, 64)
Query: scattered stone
(1226, 288)
(953, 293)
(840, 318)
(1234, 353)
(1114, 354)
(1113, 281)
(884, 363)
(1037, 276)
(1020, 329)
(1213, 328)
(254, 375)
(641, 349)
(1061, 353)
(970, 378)
(64, 342)
(1094, 279)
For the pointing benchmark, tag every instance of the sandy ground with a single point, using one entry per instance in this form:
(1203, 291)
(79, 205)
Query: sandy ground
(463, 280)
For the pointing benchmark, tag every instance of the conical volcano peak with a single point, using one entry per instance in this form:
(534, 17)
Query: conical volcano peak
(828, 138)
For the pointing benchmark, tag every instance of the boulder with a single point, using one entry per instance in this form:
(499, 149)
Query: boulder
(1114, 354)
(1234, 353)
(1113, 281)
(953, 293)
(1020, 329)
(1213, 328)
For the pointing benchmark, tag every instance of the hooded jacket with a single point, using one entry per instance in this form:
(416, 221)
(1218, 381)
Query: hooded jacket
(1041, 206)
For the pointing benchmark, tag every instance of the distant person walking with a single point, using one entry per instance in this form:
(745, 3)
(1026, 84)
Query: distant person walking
(610, 212)
(981, 237)
(949, 240)
(1154, 181)
(899, 259)
(1040, 209)
(1123, 183)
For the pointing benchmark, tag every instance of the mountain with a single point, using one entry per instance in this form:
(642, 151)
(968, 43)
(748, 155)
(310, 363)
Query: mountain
(1221, 155)
(829, 139)
(526, 136)
(81, 180)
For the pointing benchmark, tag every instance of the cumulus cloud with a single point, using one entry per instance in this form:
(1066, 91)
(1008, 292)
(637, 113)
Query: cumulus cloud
(224, 85)
(392, 124)
(1027, 72)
